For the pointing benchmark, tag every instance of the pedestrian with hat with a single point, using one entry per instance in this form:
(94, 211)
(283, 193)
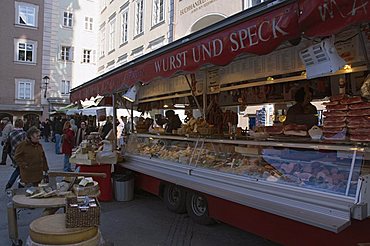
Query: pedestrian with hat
(8, 127)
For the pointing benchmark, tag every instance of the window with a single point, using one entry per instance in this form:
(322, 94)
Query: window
(112, 32)
(26, 14)
(25, 51)
(139, 17)
(252, 3)
(24, 89)
(102, 42)
(67, 19)
(158, 12)
(66, 53)
(88, 56)
(124, 34)
(66, 87)
(88, 23)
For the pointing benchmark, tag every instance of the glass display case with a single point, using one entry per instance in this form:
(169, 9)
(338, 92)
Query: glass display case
(324, 167)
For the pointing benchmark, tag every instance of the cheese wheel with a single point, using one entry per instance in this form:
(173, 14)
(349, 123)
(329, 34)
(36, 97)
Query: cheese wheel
(51, 229)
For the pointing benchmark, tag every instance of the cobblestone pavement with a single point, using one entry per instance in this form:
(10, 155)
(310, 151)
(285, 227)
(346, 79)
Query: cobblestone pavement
(143, 221)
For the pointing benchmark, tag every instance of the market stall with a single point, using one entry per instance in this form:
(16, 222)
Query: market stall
(297, 181)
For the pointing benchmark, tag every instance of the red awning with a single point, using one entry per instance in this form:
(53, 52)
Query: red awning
(320, 18)
(259, 35)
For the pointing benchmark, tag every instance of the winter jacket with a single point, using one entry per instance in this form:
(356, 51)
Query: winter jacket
(7, 129)
(68, 141)
(31, 159)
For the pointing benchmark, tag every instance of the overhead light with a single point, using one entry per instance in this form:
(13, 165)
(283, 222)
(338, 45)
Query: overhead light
(270, 78)
(165, 106)
(347, 67)
(130, 95)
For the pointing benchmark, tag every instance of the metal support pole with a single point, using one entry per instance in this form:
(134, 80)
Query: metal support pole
(132, 118)
(114, 99)
(195, 98)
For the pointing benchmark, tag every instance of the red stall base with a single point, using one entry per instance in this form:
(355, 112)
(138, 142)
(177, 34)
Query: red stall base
(105, 184)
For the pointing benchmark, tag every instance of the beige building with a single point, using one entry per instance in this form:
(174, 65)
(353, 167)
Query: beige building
(129, 29)
(21, 42)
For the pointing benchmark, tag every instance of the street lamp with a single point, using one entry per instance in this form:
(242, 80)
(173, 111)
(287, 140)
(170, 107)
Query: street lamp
(45, 80)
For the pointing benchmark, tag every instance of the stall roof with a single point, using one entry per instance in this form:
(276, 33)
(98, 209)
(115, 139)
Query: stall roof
(258, 30)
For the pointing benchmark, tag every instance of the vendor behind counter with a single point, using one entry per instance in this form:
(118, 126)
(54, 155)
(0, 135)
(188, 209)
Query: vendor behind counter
(173, 121)
(303, 112)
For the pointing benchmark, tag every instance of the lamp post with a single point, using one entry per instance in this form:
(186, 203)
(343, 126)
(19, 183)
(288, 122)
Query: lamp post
(45, 80)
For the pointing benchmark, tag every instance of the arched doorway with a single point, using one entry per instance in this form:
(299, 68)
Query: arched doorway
(206, 21)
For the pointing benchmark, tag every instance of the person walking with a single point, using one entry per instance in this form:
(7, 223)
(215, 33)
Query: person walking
(6, 148)
(15, 137)
(67, 146)
(30, 157)
(47, 130)
(58, 131)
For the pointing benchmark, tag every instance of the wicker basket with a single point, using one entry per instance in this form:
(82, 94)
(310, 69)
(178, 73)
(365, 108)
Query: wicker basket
(79, 218)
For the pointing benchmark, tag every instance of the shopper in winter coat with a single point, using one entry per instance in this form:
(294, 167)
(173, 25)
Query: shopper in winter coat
(31, 159)
(67, 146)
(15, 137)
(6, 148)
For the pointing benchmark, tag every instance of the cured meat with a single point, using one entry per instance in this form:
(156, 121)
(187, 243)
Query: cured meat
(274, 130)
(335, 136)
(359, 138)
(330, 119)
(351, 100)
(330, 103)
(340, 107)
(358, 119)
(338, 97)
(295, 127)
(335, 113)
(361, 130)
(334, 124)
(356, 125)
(299, 133)
(360, 112)
(362, 105)
(334, 130)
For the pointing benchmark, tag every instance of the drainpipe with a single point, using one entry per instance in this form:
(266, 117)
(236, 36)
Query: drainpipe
(172, 21)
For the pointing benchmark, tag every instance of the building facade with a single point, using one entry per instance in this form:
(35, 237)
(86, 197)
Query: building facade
(129, 29)
(70, 48)
(21, 41)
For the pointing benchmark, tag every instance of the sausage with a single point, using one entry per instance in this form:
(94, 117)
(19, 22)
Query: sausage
(358, 119)
(360, 130)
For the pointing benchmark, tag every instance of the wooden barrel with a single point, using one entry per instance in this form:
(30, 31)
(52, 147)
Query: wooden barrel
(51, 230)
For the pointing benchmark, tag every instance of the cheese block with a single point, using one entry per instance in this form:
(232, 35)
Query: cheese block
(51, 230)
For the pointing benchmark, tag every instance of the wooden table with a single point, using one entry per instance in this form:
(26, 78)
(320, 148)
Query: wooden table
(19, 200)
